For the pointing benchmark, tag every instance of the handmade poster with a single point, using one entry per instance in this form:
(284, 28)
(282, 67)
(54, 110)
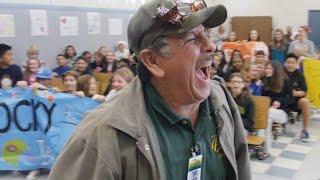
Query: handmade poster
(115, 27)
(311, 70)
(34, 126)
(94, 22)
(69, 26)
(7, 28)
(39, 22)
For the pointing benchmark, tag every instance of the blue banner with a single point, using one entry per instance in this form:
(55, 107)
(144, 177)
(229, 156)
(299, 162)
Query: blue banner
(34, 125)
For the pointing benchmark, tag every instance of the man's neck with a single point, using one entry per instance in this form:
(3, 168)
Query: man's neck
(172, 98)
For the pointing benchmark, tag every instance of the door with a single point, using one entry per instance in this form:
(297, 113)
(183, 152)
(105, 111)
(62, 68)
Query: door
(314, 23)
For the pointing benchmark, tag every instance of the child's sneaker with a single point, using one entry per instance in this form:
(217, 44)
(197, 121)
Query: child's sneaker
(34, 174)
(305, 136)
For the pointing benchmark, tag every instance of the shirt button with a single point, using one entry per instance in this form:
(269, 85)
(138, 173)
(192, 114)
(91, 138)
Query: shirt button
(184, 122)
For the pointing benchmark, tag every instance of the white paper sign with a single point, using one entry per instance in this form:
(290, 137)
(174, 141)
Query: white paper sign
(39, 22)
(94, 22)
(69, 25)
(7, 28)
(115, 27)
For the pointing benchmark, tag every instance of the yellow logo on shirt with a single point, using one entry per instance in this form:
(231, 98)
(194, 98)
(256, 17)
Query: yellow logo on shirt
(216, 146)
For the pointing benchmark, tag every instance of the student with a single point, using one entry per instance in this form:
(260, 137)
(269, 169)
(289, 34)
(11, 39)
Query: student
(279, 47)
(302, 47)
(99, 62)
(32, 68)
(71, 55)
(103, 50)
(63, 67)
(236, 64)
(120, 79)
(289, 33)
(221, 63)
(9, 70)
(122, 63)
(214, 75)
(87, 56)
(122, 50)
(298, 87)
(110, 67)
(254, 80)
(275, 87)
(69, 80)
(83, 66)
(258, 45)
(241, 95)
(87, 83)
(232, 37)
(33, 53)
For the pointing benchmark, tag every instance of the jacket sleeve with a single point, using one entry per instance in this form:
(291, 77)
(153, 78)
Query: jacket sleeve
(79, 161)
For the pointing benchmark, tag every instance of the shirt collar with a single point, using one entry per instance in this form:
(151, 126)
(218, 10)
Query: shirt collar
(158, 104)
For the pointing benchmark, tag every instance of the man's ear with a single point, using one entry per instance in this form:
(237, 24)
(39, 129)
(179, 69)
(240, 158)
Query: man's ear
(149, 60)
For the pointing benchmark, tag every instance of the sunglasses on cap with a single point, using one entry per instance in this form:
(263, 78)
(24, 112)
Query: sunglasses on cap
(181, 9)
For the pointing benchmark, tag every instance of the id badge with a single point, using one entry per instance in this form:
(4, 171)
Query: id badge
(194, 168)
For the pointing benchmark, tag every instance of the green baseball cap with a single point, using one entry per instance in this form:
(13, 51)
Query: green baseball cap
(140, 36)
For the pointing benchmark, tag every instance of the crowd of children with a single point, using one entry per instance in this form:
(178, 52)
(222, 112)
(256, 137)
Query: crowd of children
(273, 70)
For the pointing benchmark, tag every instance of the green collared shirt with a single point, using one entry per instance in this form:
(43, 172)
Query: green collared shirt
(177, 137)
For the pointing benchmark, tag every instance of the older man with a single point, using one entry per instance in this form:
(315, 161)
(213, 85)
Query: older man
(172, 122)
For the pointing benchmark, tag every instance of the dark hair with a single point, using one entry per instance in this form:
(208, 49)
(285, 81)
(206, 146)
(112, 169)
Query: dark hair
(66, 50)
(4, 48)
(260, 53)
(250, 33)
(276, 81)
(235, 51)
(124, 60)
(223, 60)
(60, 55)
(291, 55)
(245, 91)
(85, 52)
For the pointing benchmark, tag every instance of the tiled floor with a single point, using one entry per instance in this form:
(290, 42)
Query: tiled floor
(290, 158)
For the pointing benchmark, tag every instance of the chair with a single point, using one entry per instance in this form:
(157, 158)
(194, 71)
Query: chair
(57, 82)
(262, 105)
(103, 79)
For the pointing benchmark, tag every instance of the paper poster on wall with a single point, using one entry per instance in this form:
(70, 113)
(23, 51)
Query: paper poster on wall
(7, 28)
(94, 22)
(115, 27)
(69, 26)
(39, 22)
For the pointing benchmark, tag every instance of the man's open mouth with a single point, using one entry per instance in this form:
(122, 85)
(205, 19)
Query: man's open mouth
(203, 72)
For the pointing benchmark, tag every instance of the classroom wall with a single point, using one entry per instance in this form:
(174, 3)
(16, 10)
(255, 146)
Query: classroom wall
(283, 12)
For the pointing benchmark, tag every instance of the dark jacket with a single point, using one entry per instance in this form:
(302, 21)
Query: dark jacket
(279, 96)
(296, 81)
(247, 110)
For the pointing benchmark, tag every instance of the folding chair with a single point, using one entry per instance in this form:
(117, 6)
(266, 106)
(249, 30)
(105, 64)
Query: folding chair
(262, 105)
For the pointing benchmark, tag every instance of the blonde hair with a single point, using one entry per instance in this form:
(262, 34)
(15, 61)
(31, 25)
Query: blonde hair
(74, 74)
(122, 43)
(125, 73)
(32, 49)
(83, 83)
(27, 72)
